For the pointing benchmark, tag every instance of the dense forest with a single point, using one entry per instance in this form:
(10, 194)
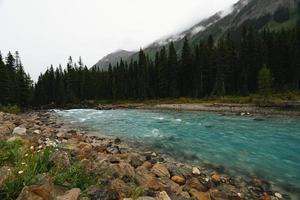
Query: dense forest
(16, 87)
(228, 66)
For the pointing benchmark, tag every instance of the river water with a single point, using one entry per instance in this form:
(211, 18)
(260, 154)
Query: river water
(269, 148)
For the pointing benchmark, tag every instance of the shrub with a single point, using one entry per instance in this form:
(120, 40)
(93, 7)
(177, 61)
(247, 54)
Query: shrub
(10, 109)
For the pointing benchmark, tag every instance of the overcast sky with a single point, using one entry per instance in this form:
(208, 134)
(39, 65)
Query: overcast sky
(46, 32)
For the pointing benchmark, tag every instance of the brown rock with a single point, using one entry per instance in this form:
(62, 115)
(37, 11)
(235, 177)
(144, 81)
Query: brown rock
(41, 192)
(124, 169)
(216, 178)
(265, 197)
(118, 185)
(160, 170)
(147, 165)
(178, 179)
(72, 194)
(148, 180)
(196, 184)
(200, 195)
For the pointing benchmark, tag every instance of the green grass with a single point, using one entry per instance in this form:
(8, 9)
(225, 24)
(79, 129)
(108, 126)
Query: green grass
(24, 165)
(28, 166)
(74, 176)
(10, 109)
(135, 192)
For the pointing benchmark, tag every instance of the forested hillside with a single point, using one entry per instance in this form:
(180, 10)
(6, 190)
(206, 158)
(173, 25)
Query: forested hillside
(229, 67)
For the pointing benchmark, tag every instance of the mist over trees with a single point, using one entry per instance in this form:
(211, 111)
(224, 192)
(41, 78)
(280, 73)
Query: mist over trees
(228, 66)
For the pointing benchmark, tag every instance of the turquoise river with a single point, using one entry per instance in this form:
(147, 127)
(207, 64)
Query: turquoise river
(245, 146)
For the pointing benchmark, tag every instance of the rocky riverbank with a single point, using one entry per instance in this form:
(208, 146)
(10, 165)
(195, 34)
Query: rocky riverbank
(43, 158)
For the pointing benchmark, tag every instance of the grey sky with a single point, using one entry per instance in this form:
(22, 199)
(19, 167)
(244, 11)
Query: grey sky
(48, 31)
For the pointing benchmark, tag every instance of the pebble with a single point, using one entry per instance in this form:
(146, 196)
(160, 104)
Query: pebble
(278, 195)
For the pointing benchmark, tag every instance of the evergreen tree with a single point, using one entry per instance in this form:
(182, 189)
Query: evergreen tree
(264, 81)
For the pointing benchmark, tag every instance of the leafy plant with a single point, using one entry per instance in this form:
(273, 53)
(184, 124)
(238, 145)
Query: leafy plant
(75, 176)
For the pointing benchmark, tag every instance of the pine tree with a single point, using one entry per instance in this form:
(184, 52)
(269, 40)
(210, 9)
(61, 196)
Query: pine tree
(264, 81)
(186, 70)
(173, 90)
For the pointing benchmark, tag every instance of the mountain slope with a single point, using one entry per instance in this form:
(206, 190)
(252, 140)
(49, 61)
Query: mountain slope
(272, 14)
(113, 59)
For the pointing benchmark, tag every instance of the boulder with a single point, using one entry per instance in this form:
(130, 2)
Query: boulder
(124, 169)
(160, 170)
(178, 179)
(72, 194)
(36, 192)
(148, 180)
(194, 183)
(19, 131)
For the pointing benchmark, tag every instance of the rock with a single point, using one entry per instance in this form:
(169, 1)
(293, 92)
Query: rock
(117, 141)
(216, 178)
(146, 198)
(124, 169)
(163, 196)
(61, 135)
(174, 171)
(113, 150)
(148, 180)
(38, 132)
(196, 184)
(200, 195)
(72, 194)
(185, 195)
(147, 165)
(105, 195)
(114, 160)
(135, 162)
(178, 179)
(222, 194)
(160, 170)
(36, 192)
(196, 171)
(266, 197)
(19, 131)
(278, 195)
(118, 185)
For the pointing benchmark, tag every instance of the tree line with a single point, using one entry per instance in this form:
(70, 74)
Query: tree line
(227, 66)
(16, 87)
